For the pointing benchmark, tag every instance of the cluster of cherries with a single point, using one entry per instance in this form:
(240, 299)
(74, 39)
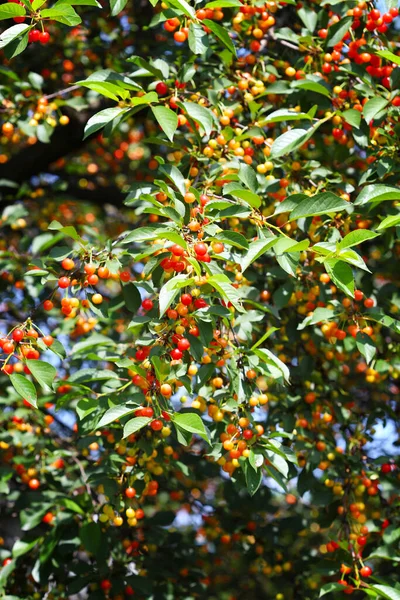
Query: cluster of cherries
(14, 340)
(34, 35)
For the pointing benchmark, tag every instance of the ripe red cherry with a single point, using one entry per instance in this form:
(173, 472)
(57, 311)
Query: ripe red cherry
(366, 571)
(8, 347)
(44, 37)
(358, 295)
(33, 35)
(17, 335)
(200, 249)
(176, 354)
(161, 88)
(156, 425)
(34, 484)
(200, 303)
(183, 344)
(247, 434)
(48, 340)
(186, 299)
(177, 250)
(106, 585)
(64, 282)
(130, 492)
(147, 304)
(179, 266)
(125, 276)
(369, 303)
(48, 305)
(386, 468)
(129, 591)
(361, 540)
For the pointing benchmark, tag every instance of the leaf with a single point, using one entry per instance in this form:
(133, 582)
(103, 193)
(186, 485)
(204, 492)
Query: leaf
(63, 13)
(332, 586)
(12, 33)
(10, 10)
(223, 4)
(311, 86)
(184, 7)
(373, 107)
(162, 367)
(248, 176)
(221, 33)
(201, 115)
(114, 413)
(320, 204)
(391, 534)
(288, 142)
(341, 274)
(135, 424)
(256, 249)
(192, 423)
(167, 119)
(132, 297)
(270, 359)
(223, 285)
(253, 478)
(250, 197)
(386, 592)
(90, 535)
(356, 237)
(389, 55)
(232, 238)
(266, 335)
(309, 18)
(68, 231)
(377, 193)
(366, 346)
(284, 114)
(43, 372)
(319, 314)
(24, 388)
(100, 119)
(337, 31)
(117, 6)
(390, 221)
(198, 39)
(21, 547)
(174, 175)
(170, 290)
(353, 117)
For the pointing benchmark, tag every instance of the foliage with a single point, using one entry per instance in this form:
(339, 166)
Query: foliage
(195, 377)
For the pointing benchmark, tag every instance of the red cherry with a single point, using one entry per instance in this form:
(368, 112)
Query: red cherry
(106, 585)
(366, 571)
(186, 299)
(48, 305)
(358, 295)
(44, 37)
(161, 88)
(147, 304)
(8, 347)
(361, 540)
(200, 248)
(183, 344)
(176, 354)
(386, 468)
(369, 303)
(177, 250)
(64, 282)
(129, 591)
(17, 335)
(125, 276)
(156, 425)
(247, 434)
(179, 266)
(33, 35)
(200, 303)
(130, 492)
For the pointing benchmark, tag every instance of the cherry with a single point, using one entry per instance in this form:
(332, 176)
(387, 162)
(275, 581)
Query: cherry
(200, 303)
(68, 264)
(147, 304)
(186, 299)
(200, 249)
(34, 484)
(17, 335)
(156, 425)
(44, 37)
(369, 303)
(8, 347)
(179, 266)
(176, 354)
(358, 295)
(366, 571)
(161, 88)
(177, 250)
(147, 411)
(166, 390)
(48, 340)
(183, 344)
(48, 305)
(386, 468)
(105, 585)
(125, 276)
(33, 35)
(64, 282)
(130, 492)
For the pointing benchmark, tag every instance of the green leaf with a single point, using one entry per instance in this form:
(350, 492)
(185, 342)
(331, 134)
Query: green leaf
(10, 10)
(319, 314)
(132, 297)
(266, 335)
(320, 204)
(170, 290)
(184, 7)
(117, 6)
(100, 119)
(389, 55)
(14, 32)
(43, 372)
(377, 193)
(90, 535)
(386, 592)
(232, 238)
(223, 4)
(366, 346)
(374, 107)
(21, 547)
(192, 423)
(63, 13)
(167, 119)
(341, 274)
(24, 388)
(284, 114)
(390, 221)
(198, 39)
(337, 31)
(253, 478)
(161, 367)
(311, 86)
(269, 358)
(114, 413)
(288, 142)
(174, 175)
(391, 534)
(224, 286)
(309, 18)
(356, 237)
(77, 2)
(68, 231)
(250, 197)
(202, 115)
(135, 424)
(353, 117)
(221, 33)
(332, 586)
(248, 176)
(256, 249)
